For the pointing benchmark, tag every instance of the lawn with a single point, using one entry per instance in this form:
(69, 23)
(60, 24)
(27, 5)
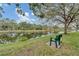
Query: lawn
(39, 47)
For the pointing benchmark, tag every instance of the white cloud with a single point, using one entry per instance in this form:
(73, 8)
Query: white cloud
(22, 18)
(0, 4)
(32, 14)
(27, 14)
(25, 18)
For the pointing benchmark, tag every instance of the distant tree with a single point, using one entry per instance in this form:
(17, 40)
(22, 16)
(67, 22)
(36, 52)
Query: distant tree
(23, 25)
(7, 24)
(56, 29)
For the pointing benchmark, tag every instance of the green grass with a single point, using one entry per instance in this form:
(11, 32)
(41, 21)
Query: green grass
(39, 47)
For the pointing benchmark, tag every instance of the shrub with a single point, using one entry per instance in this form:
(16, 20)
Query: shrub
(23, 38)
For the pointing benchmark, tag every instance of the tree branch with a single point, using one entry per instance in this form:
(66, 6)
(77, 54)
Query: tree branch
(60, 20)
(72, 18)
(71, 10)
(63, 9)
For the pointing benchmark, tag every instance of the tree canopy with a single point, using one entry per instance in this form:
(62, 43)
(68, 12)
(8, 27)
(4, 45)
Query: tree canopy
(67, 11)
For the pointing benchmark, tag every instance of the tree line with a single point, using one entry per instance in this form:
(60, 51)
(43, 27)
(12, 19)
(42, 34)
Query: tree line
(9, 24)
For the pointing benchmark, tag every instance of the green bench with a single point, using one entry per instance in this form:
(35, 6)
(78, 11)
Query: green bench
(57, 40)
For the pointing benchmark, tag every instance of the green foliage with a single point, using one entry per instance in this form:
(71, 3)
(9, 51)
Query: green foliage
(22, 38)
(56, 29)
(5, 37)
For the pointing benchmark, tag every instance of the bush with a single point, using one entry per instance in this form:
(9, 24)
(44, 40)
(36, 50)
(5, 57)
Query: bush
(23, 38)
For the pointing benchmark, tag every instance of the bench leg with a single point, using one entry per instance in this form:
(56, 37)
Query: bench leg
(50, 42)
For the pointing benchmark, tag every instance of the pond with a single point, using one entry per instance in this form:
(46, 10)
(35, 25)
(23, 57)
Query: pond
(14, 37)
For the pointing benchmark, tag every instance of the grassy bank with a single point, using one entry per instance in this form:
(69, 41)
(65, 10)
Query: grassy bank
(39, 47)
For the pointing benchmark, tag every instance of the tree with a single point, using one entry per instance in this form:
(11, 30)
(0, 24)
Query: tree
(1, 11)
(23, 25)
(56, 29)
(76, 24)
(7, 24)
(65, 13)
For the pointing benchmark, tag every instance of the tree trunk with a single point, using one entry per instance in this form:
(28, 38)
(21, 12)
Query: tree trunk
(65, 28)
(76, 28)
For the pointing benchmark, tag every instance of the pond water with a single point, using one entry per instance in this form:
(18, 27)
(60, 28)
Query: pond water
(13, 37)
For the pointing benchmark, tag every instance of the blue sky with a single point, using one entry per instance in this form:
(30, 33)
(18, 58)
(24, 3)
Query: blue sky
(10, 12)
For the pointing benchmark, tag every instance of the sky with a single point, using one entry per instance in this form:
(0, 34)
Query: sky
(10, 12)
